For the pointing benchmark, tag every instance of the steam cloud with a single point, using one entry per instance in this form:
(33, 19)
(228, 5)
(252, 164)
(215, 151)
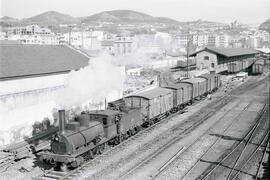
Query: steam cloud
(92, 84)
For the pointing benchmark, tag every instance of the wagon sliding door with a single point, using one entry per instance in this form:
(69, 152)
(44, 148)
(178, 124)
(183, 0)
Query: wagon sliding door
(145, 109)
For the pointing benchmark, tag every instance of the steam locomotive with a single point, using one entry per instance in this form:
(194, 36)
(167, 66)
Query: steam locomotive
(87, 134)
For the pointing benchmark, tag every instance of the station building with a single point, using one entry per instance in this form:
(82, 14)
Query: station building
(217, 59)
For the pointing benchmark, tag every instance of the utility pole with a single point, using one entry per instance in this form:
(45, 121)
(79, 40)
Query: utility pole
(188, 54)
(69, 38)
(82, 29)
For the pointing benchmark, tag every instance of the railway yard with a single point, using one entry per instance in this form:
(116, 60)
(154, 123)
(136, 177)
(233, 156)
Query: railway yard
(225, 137)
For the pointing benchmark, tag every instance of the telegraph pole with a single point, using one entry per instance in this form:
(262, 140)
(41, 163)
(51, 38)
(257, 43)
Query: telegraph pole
(188, 55)
(69, 33)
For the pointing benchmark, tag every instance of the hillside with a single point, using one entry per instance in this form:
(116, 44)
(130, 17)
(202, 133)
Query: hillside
(8, 21)
(50, 18)
(125, 16)
(53, 18)
(265, 26)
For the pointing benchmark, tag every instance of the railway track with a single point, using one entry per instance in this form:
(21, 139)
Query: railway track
(245, 141)
(5, 160)
(263, 159)
(51, 174)
(235, 119)
(25, 148)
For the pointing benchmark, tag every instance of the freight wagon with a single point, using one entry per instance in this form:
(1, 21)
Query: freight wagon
(257, 67)
(237, 66)
(212, 81)
(198, 87)
(182, 94)
(154, 103)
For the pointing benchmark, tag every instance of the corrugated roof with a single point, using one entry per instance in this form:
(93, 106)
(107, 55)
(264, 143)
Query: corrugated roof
(228, 52)
(27, 60)
(153, 93)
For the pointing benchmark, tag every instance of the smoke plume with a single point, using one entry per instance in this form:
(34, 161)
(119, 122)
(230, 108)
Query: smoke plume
(92, 84)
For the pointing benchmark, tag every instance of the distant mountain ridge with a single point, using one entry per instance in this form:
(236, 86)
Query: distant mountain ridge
(53, 18)
(119, 16)
(265, 26)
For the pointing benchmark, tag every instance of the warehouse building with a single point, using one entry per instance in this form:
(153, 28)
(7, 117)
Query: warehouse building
(218, 59)
(32, 73)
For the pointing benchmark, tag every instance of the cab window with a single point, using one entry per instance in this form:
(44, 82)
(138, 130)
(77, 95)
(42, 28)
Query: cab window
(104, 121)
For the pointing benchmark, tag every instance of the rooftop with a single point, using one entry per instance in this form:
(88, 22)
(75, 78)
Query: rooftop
(17, 60)
(227, 52)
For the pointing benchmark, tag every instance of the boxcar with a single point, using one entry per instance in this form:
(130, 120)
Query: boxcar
(212, 81)
(181, 93)
(257, 67)
(153, 103)
(233, 67)
(198, 86)
(237, 66)
(118, 104)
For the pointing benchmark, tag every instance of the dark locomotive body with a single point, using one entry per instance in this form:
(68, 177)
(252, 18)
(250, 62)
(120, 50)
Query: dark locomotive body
(86, 135)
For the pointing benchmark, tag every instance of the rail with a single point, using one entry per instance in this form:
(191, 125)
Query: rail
(249, 133)
(216, 141)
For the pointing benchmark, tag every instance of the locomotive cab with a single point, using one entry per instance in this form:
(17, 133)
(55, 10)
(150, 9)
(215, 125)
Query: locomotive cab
(109, 119)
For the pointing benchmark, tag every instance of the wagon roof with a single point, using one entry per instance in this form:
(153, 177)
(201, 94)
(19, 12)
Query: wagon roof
(117, 101)
(176, 85)
(259, 61)
(107, 112)
(153, 93)
(206, 75)
(194, 80)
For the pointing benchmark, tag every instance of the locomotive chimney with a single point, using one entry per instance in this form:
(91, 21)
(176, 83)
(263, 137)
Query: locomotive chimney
(62, 121)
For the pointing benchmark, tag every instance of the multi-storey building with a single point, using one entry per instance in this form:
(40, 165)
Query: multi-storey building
(29, 30)
(123, 45)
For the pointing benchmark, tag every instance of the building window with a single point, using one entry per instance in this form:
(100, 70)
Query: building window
(206, 57)
(212, 65)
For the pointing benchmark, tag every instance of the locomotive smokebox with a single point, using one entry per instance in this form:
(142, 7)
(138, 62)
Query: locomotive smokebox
(62, 121)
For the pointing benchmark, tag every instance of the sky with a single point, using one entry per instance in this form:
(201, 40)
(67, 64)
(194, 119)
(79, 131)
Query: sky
(245, 11)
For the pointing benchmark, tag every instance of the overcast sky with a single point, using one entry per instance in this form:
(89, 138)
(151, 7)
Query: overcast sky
(245, 11)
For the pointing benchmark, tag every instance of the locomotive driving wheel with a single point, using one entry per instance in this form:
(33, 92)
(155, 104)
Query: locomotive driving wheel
(90, 155)
(101, 148)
